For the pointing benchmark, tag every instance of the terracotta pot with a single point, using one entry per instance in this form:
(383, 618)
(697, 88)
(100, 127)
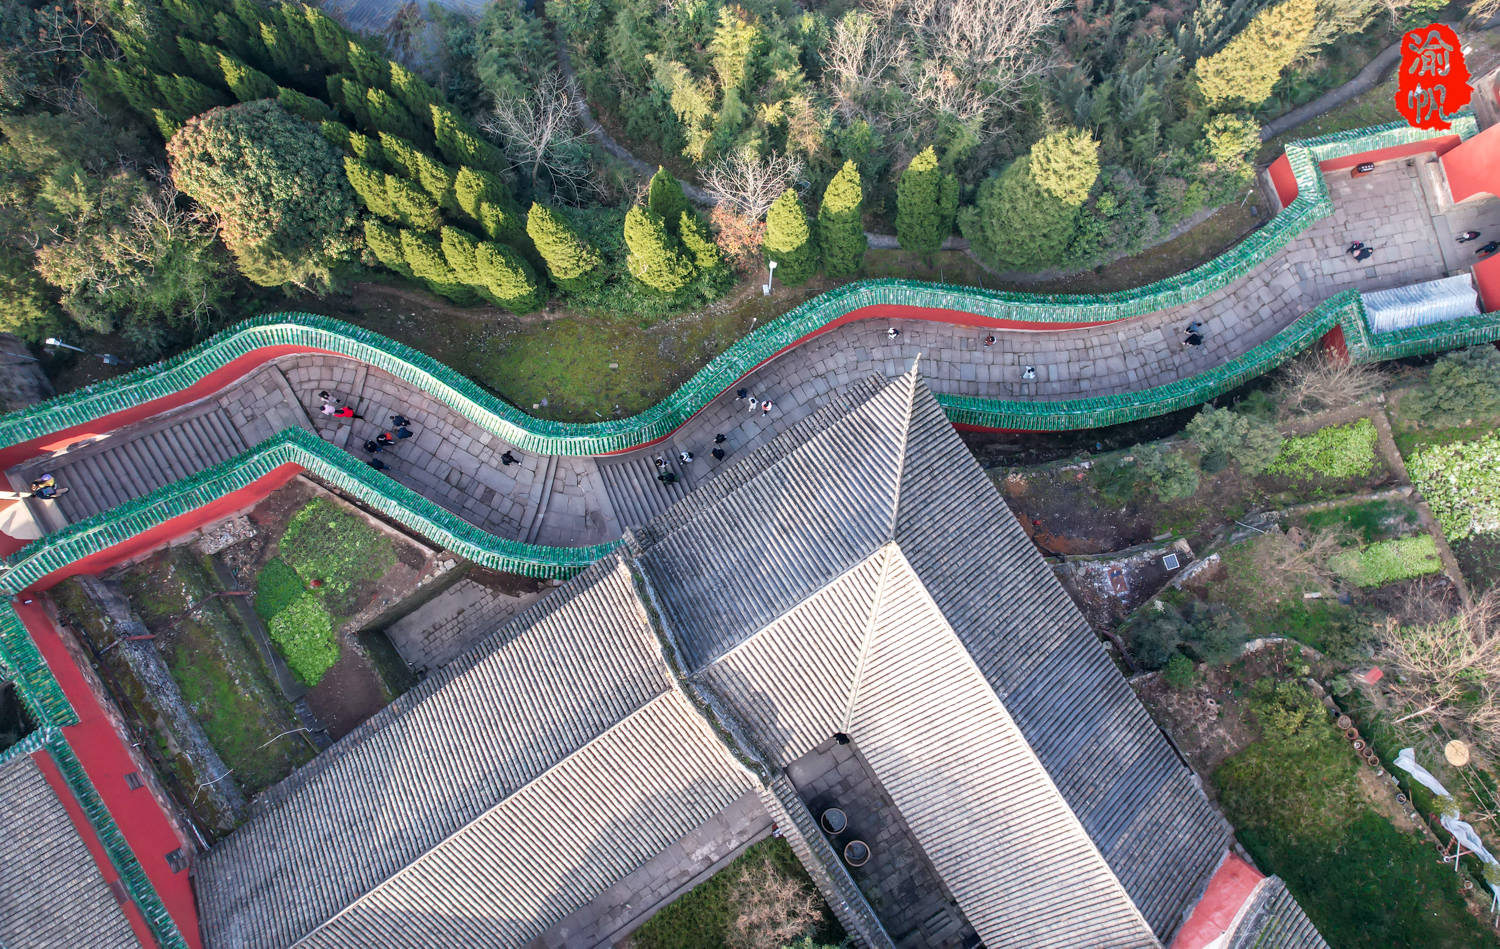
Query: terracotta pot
(1345, 723)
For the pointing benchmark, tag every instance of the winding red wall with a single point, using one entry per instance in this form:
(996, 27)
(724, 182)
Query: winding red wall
(1284, 181)
(1438, 146)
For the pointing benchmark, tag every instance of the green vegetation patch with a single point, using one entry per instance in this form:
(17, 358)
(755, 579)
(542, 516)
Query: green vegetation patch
(1461, 481)
(1389, 560)
(277, 586)
(324, 542)
(303, 631)
(1297, 804)
(1338, 452)
(703, 917)
(1372, 520)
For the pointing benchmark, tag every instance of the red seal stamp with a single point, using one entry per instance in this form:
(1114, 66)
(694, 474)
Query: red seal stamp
(1433, 83)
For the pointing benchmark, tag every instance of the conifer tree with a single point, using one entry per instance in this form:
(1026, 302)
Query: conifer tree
(1247, 68)
(508, 277)
(235, 36)
(841, 231)
(411, 205)
(363, 147)
(789, 239)
(385, 245)
(733, 47)
(413, 92)
(285, 56)
(167, 125)
(137, 91)
(1026, 216)
(482, 198)
(434, 177)
(501, 222)
(328, 38)
(245, 81)
(304, 107)
(459, 249)
(926, 201)
(699, 242)
(248, 12)
(654, 258)
(202, 60)
(425, 259)
(346, 95)
(388, 115)
(572, 262)
(372, 71)
(665, 197)
(184, 97)
(195, 16)
(461, 144)
(369, 184)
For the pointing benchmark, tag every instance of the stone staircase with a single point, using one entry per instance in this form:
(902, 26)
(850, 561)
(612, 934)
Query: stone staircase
(107, 472)
(633, 491)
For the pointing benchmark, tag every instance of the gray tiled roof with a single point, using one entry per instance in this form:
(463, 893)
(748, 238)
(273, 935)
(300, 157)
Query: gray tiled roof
(51, 891)
(1273, 920)
(858, 573)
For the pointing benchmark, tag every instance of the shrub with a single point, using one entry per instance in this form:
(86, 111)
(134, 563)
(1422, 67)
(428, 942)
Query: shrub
(926, 200)
(1247, 68)
(1224, 437)
(1462, 386)
(1389, 560)
(277, 587)
(1461, 481)
(1285, 710)
(303, 632)
(1155, 635)
(789, 239)
(1337, 452)
(1169, 472)
(1026, 216)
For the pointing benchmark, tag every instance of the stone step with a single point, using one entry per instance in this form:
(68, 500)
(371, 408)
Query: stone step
(543, 491)
(634, 493)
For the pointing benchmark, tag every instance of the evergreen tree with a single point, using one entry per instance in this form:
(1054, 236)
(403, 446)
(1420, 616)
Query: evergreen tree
(372, 71)
(246, 82)
(434, 177)
(471, 187)
(202, 60)
(665, 197)
(460, 142)
(196, 16)
(411, 205)
(137, 91)
(459, 249)
(286, 57)
(248, 12)
(926, 201)
(304, 107)
(345, 94)
(789, 239)
(413, 92)
(387, 115)
(501, 222)
(385, 245)
(1026, 217)
(572, 262)
(363, 147)
(841, 231)
(424, 257)
(733, 47)
(654, 258)
(369, 184)
(184, 97)
(232, 34)
(699, 242)
(508, 277)
(1247, 68)
(328, 38)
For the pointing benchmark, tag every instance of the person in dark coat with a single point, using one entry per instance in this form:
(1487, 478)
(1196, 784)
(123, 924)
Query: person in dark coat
(508, 459)
(400, 421)
(1355, 247)
(718, 454)
(1467, 236)
(386, 439)
(720, 438)
(376, 463)
(1365, 253)
(373, 446)
(1488, 249)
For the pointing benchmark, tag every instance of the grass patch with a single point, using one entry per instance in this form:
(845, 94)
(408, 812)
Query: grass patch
(303, 631)
(326, 544)
(276, 587)
(1371, 520)
(1299, 810)
(1399, 559)
(1338, 453)
(701, 918)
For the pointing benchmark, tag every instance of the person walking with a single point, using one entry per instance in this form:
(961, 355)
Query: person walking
(373, 447)
(718, 454)
(376, 463)
(508, 458)
(743, 394)
(667, 477)
(386, 439)
(766, 407)
(343, 411)
(1029, 373)
(686, 457)
(660, 462)
(1467, 236)
(1355, 247)
(720, 438)
(1364, 254)
(989, 341)
(1488, 249)
(892, 333)
(750, 404)
(400, 421)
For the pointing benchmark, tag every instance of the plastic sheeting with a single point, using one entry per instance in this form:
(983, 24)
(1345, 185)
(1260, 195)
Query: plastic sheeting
(1407, 761)
(1421, 303)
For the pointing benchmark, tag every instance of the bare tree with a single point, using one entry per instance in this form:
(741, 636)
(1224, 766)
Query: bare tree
(774, 909)
(1316, 383)
(749, 184)
(862, 53)
(1450, 669)
(543, 137)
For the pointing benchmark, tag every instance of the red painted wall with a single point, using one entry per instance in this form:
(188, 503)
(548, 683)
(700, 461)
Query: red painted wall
(1334, 346)
(1436, 145)
(91, 842)
(1474, 166)
(1487, 275)
(1283, 180)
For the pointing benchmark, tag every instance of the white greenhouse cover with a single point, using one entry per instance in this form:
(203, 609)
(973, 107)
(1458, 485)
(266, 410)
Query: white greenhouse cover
(1421, 303)
(1407, 761)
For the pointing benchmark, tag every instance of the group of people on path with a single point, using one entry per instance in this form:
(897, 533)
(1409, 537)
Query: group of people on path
(1483, 250)
(666, 475)
(336, 407)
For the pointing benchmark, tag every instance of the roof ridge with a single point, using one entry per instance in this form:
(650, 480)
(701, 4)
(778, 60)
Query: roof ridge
(868, 635)
(910, 378)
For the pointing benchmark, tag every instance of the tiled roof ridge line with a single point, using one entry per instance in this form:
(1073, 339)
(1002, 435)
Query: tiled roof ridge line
(868, 636)
(412, 864)
(967, 658)
(909, 379)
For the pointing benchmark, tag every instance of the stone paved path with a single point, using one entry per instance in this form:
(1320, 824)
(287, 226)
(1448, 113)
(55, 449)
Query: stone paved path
(574, 500)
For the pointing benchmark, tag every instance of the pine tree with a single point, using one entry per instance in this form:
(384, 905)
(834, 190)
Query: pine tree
(508, 277)
(425, 259)
(184, 97)
(665, 197)
(572, 262)
(329, 39)
(363, 147)
(482, 197)
(413, 92)
(167, 125)
(346, 95)
(461, 143)
(733, 47)
(202, 60)
(294, 34)
(1026, 217)
(654, 258)
(234, 35)
(926, 200)
(699, 242)
(388, 115)
(304, 107)
(248, 12)
(369, 184)
(196, 16)
(285, 57)
(385, 244)
(411, 205)
(1247, 68)
(501, 222)
(137, 91)
(372, 71)
(434, 177)
(841, 231)
(459, 249)
(789, 239)
(245, 81)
